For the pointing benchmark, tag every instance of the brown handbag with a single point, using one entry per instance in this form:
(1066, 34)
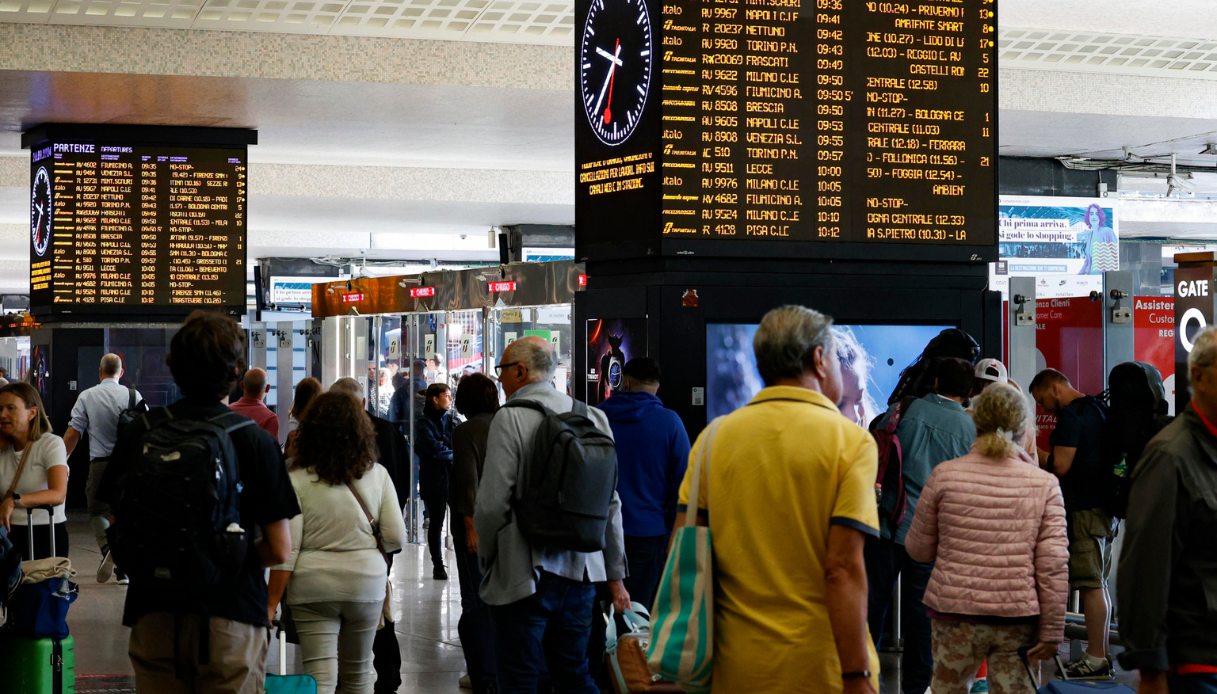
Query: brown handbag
(626, 657)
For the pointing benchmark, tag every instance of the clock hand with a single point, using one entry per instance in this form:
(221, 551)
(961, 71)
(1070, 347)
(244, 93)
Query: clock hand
(606, 54)
(608, 81)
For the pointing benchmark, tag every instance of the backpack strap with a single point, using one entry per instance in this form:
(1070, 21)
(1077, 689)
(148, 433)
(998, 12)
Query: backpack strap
(130, 398)
(532, 405)
(231, 421)
(156, 417)
(580, 408)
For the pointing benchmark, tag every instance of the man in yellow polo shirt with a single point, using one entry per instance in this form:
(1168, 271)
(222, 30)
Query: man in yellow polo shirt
(789, 489)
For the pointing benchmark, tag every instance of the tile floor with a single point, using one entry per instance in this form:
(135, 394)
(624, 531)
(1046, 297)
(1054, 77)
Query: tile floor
(426, 610)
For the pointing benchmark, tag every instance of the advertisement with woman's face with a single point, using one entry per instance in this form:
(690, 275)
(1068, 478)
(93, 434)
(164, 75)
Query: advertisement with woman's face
(871, 357)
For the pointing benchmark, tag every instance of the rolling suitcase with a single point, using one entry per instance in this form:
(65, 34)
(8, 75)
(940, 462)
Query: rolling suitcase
(33, 665)
(284, 683)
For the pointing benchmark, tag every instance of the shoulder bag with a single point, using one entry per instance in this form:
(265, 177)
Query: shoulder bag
(386, 613)
(682, 625)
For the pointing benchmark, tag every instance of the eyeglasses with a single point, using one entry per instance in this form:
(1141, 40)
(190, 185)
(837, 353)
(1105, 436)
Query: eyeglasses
(498, 368)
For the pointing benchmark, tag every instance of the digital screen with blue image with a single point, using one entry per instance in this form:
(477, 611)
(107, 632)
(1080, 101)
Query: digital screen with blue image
(872, 357)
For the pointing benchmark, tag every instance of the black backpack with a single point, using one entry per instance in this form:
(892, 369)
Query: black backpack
(1136, 412)
(179, 521)
(133, 412)
(568, 484)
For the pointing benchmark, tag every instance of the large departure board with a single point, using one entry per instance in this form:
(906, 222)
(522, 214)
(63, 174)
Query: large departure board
(842, 128)
(123, 228)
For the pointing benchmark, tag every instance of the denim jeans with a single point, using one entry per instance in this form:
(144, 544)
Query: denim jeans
(885, 561)
(1193, 684)
(548, 629)
(645, 556)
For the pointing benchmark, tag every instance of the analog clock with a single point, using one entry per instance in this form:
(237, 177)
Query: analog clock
(615, 67)
(41, 208)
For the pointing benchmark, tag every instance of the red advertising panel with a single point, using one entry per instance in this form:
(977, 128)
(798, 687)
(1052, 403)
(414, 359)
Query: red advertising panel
(1069, 338)
(1154, 338)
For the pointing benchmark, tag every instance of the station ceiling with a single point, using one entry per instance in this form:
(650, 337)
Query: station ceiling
(407, 128)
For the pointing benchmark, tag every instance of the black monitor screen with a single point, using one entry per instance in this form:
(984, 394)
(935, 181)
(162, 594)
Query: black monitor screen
(122, 229)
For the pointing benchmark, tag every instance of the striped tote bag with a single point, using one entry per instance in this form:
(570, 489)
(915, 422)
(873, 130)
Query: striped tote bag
(682, 620)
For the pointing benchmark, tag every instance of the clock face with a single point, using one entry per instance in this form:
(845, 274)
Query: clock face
(41, 208)
(615, 67)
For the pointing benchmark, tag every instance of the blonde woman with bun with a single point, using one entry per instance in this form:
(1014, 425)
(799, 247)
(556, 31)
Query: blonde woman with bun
(994, 526)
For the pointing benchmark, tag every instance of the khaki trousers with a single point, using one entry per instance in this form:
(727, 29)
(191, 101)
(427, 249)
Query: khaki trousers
(163, 645)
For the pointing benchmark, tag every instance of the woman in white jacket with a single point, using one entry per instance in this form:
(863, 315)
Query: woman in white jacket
(335, 575)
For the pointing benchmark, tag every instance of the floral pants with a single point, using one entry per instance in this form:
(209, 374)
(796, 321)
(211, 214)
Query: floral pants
(959, 649)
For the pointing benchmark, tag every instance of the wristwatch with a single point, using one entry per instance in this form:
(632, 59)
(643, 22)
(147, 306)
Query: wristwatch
(856, 675)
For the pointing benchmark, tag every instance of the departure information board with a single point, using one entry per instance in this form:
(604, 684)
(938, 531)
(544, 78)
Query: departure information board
(844, 123)
(118, 228)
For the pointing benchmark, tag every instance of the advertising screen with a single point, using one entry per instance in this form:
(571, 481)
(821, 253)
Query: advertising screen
(118, 228)
(610, 344)
(872, 357)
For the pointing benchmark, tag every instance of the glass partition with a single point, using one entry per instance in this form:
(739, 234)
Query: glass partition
(552, 323)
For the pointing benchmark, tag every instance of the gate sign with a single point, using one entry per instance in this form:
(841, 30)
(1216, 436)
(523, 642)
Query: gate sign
(1193, 313)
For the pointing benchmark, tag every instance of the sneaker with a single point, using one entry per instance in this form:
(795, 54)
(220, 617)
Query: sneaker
(465, 682)
(120, 578)
(980, 687)
(1083, 669)
(106, 568)
(439, 574)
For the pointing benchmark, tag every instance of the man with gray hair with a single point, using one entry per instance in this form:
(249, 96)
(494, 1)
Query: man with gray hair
(788, 492)
(1168, 620)
(96, 413)
(541, 597)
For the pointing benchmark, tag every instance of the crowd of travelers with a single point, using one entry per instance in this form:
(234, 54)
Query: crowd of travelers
(815, 519)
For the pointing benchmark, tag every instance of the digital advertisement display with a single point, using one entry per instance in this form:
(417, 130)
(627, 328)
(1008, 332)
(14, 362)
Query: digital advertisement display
(1068, 243)
(610, 344)
(872, 357)
(117, 228)
(789, 120)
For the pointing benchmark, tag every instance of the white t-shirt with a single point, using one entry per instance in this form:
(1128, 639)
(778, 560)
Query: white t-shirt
(45, 453)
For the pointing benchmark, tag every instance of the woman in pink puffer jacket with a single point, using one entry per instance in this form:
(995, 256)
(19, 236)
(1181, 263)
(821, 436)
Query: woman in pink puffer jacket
(993, 523)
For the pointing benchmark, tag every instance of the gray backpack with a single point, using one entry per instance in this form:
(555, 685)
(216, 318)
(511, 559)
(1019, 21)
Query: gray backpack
(569, 482)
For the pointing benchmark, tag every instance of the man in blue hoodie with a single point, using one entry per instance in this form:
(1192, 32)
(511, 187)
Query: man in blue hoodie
(652, 453)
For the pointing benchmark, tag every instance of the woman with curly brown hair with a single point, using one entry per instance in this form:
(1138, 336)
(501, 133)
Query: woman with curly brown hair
(335, 576)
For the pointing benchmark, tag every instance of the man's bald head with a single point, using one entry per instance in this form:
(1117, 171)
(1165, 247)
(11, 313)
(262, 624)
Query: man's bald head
(111, 366)
(254, 384)
(525, 361)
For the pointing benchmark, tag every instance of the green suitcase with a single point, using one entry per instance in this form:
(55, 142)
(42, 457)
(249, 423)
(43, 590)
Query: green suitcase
(38, 666)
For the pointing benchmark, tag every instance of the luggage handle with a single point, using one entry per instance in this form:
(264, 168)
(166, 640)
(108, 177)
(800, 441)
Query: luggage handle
(282, 652)
(1035, 684)
(29, 527)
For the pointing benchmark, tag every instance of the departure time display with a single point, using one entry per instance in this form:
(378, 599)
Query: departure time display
(118, 228)
(832, 121)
